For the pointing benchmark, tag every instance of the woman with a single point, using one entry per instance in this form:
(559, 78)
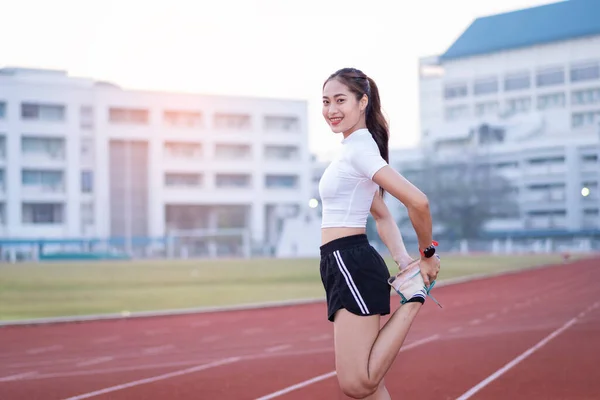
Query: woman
(354, 275)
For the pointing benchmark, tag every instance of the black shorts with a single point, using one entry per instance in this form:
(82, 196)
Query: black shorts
(354, 276)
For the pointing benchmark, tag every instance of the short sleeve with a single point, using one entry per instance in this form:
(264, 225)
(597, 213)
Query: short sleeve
(367, 160)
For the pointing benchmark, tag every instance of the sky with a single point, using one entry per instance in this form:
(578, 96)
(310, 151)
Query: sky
(265, 48)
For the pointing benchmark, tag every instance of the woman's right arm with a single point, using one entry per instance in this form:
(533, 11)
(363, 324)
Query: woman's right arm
(417, 205)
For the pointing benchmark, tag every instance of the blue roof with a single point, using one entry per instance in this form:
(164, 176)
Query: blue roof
(538, 25)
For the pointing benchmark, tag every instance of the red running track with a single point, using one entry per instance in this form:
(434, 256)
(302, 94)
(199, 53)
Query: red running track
(534, 334)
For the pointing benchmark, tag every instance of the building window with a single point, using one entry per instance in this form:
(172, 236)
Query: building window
(87, 214)
(553, 100)
(456, 112)
(544, 219)
(592, 186)
(86, 117)
(590, 218)
(583, 119)
(281, 181)
(550, 76)
(42, 213)
(281, 152)
(87, 150)
(35, 146)
(517, 81)
(183, 180)
(488, 108)
(42, 112)
(485, 86)
(232, 121)
(233, 152)
(452, 91)
(587, 96)
(182, 119)
(46, 180)
(182, 150)
(2, 110)
(2, 180)
(233, 180)
(2, 147)
(132, 116)
(518, 105)
(585, 71)
(546, 192)
(87, 181)
(281, 124)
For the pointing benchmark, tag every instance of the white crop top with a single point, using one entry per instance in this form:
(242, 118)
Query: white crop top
(346, 188)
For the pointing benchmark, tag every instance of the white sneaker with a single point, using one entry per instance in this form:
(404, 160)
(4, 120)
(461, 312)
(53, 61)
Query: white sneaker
(409, 284)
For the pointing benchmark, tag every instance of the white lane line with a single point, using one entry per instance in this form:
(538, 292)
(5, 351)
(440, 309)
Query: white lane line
(252, 331)
(208, 339)
(475, 322)
(491, 315)
(159, 331)
(199, 323)
(106, 339)
(95, 361)
(278, 348)
(184, 363)
(39, 350)
(319, 338)
(333, 373)
(156, 378)
(158, 349)
(298, 386)
(16, 377)
(455, 329)
(516, 361)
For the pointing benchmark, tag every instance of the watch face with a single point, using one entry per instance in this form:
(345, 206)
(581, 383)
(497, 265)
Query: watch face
(430, 251)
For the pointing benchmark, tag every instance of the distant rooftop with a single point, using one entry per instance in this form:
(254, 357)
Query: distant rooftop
(523, 28)
(51, 74)
(12, 71)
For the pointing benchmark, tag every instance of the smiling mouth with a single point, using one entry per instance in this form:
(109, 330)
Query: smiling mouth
(335, 121)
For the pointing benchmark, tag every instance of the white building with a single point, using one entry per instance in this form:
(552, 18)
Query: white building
(523, 89)
(521, 92)
(81, 158)
(542, 61)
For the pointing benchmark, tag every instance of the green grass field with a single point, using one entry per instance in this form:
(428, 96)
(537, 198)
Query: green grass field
(67, 289)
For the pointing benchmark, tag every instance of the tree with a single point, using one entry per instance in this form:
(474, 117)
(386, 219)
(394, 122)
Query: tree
(464, 195)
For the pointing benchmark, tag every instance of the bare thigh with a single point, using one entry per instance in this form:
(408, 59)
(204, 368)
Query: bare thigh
(354, 337)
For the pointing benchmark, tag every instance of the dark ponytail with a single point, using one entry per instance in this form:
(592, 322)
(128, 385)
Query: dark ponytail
(376, 122)
(360, 84)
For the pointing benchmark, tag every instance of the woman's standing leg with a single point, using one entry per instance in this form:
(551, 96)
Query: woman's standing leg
(364, 352)
(381, 393)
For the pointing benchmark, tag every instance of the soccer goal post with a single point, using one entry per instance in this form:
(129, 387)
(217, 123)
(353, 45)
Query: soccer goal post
(209, 243)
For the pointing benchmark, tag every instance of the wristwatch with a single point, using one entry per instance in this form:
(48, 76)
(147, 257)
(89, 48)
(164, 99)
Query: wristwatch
(429, 251)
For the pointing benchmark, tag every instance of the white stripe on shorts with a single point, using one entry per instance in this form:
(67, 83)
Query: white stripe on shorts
(350, 282)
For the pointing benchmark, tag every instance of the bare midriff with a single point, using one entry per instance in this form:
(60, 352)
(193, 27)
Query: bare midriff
(329, 234)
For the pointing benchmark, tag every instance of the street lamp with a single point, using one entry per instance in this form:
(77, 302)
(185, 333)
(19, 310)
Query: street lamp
(313, 203)
(585, 192)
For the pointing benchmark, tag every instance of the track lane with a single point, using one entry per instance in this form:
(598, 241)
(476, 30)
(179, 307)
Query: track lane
(564, 368)
(469, 310)
(496, 332)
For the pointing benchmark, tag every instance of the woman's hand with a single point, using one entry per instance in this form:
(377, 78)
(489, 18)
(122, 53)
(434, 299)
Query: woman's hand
(430, 267)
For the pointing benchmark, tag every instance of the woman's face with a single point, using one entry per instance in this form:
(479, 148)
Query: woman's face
(341, 110)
